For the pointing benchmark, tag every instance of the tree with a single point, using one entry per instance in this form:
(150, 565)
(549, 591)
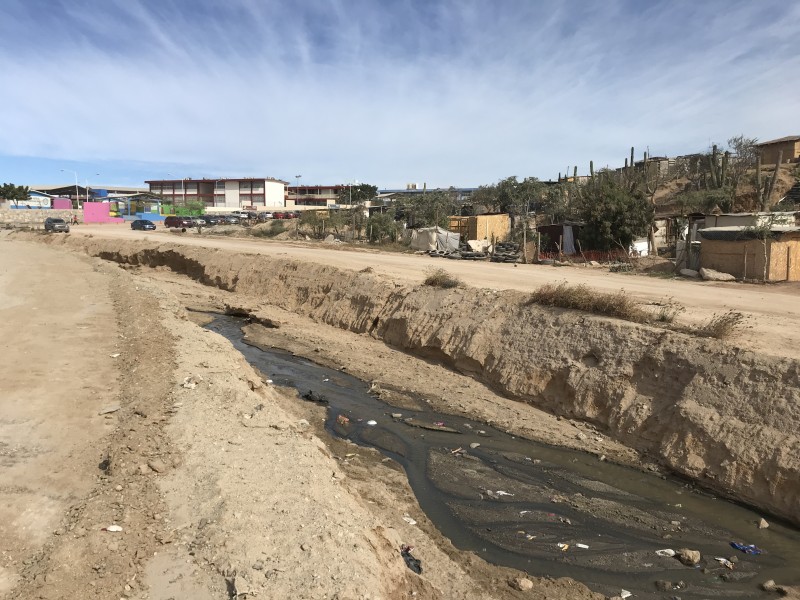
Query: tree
(382, 226)
(744, 159)
(15, 193)
(613, 215)
(357, 194)
(434, 208)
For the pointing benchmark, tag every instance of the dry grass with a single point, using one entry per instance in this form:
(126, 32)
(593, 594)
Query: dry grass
(581, 297)
(723, 326)
(441, 279)
(668, 310)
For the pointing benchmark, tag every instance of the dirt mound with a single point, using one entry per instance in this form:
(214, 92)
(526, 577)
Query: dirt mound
(710, 411)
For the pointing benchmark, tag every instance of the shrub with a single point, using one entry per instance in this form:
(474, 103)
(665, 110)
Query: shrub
(442, 279)
(274, 228)
(581, 297)
(667, 311)
(723, 326)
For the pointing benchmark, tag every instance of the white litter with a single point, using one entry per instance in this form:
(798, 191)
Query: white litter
(409, 520)
(502, 493)
(724, 562)
(584, 546)
(625, 594)
(113, 528)
(372, 423)
(667, 552)
(115, 355)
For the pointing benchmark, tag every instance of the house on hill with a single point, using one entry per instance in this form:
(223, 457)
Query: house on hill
(789, 146)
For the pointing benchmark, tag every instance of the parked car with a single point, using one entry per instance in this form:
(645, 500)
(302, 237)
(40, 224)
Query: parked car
(179, 222)
(212, 220)
(55, 224)
(143, 225)
(232, 219)
(264, 216)
(198, 221)
(278, 215)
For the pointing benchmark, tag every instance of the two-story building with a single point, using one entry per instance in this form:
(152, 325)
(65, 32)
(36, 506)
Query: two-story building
(250, 193)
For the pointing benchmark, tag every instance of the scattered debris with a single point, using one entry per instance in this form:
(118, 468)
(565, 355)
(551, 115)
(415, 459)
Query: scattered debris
(746, 548)
(112, 528)
(431, 426)
(724, 562)
(191, 381)
(625, 594)
(397, 415)
(109, 409)
(342, 420)
(583, 546)
(115, 355)
(372, 423)
(474, 445)
(409, 520)
(412, 563)
(762, 524)
(563, 547)
(666, 552)
(312, 396)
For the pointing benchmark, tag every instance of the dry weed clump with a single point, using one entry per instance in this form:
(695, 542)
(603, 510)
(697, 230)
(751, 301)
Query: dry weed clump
(722, 326)
(441, 279)
(581, 297)
(668, 310)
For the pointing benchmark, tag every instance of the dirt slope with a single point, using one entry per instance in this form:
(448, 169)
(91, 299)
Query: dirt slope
(709, 410)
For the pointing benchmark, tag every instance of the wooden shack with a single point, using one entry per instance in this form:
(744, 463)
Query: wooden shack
(489, 227)
(737, 250)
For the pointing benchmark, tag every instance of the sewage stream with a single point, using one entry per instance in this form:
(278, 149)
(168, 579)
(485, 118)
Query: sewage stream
(546, 510)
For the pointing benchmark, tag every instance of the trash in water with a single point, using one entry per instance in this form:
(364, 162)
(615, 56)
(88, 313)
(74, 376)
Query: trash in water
(409, 520)
(372, 423)
(724, 562)
(563, 547)
(342, 420)
(113, 528)
(458, 450)
(312, 396)
(625, 594)
(412, 563)
(522, 512)
(667, 552)
(746, 548)
(584, 546)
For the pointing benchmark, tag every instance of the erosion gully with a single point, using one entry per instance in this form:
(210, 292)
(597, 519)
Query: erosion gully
(528, 505)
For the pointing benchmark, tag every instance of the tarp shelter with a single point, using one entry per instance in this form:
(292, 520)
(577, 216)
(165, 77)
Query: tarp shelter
(434, 238)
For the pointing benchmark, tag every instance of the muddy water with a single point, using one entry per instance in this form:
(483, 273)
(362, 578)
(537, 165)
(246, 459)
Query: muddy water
(527, 505)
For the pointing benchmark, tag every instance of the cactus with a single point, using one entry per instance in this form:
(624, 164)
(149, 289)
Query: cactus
(765, 192)
(631, 157)
(591, 168)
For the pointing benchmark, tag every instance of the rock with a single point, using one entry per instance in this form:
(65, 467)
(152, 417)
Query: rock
(397, 415)
(143, 469)
(712, 275)
(474, 445)
(769, 586)
(690, 273)
(663, 586)
(688, 557)
(157, 465)
(329, 239)
(762, 524)
(305, 547)
(258, 565)
(303, 423)
(523, 584)
(109, 409)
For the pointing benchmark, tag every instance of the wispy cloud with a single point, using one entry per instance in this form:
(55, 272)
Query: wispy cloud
(449, 92)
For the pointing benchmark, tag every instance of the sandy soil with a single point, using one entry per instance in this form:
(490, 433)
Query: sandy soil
(221, 484)
(772, 311)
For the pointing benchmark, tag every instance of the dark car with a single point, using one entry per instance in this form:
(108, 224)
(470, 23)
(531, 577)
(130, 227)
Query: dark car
(55, 224)
(278, 215)
(179, 222)
(212, 220)
(143, 225)
(232, 219)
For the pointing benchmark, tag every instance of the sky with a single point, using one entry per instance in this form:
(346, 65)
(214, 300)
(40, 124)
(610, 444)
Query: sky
(389, 92)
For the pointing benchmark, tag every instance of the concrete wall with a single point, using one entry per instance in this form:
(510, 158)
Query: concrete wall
(232, 195)
(35, 217)
(99, 212)
(274, 195)
(745, 259)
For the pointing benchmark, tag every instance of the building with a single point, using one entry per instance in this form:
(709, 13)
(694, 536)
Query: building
(789, 146)
(490, 227)
(316, 196)
(87, 193)
(740, 252)
(249, 193)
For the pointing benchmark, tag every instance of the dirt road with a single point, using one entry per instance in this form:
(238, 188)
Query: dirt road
(772, 311)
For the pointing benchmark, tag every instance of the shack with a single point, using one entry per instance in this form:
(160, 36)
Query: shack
(745, 254)
(434, 238)
(490, 227)
(560, 237)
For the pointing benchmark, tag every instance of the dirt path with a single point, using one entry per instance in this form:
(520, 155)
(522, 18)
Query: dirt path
(773, 311)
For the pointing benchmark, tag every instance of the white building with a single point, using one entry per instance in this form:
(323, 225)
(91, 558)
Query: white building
(249, 193)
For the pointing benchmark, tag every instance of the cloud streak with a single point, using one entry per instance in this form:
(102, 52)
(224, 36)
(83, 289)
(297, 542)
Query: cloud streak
(448, 92)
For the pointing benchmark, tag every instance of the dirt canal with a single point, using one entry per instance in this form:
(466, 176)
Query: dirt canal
(546, 510)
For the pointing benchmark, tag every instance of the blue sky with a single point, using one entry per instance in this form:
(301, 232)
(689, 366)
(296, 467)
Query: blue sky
(446, 92)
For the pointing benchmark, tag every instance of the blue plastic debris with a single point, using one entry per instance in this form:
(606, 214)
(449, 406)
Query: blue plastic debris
(746, 548)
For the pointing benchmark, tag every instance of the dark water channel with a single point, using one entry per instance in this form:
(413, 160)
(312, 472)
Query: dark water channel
(513, 501)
